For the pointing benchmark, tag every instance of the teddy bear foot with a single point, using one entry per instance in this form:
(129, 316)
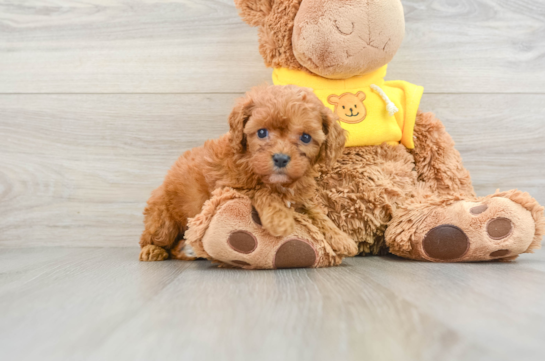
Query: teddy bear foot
(234, 237)
(292, 252)
(493, 228)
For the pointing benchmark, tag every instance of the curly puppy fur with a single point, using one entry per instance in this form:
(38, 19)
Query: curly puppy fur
(242, 160)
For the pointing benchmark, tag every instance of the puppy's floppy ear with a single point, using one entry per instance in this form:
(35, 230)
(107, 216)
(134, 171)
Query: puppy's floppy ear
(253, 12)
(333, 146)
(237, 121)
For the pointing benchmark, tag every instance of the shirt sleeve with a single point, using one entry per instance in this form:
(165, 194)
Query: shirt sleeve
(409, 102)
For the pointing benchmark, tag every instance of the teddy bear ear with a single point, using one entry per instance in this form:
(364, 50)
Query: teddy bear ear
(333, 99)
(254, 12)
(361, 96)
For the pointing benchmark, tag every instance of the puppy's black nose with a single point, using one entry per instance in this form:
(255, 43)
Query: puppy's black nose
(281, 160)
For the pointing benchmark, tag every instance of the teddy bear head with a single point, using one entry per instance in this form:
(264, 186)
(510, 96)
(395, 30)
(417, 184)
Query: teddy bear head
(335, 39)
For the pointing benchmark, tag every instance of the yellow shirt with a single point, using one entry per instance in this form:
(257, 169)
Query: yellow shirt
(364, 104)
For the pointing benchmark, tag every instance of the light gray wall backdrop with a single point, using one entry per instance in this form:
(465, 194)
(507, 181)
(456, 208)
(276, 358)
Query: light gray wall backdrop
(98, 98)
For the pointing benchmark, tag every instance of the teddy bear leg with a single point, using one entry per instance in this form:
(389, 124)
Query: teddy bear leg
(438, 164)
(497, 227)
(339, 241)
(363, 188)
(229, 231)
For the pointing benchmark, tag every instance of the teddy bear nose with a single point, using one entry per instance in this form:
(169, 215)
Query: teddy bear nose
(281, 160)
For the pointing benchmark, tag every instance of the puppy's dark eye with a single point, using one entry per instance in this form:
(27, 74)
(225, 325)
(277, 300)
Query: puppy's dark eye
(305, 138)
(262, 133)
(355, 106)
(344, 107)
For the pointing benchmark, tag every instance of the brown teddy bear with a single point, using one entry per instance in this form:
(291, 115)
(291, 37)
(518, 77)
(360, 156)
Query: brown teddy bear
(400, 185)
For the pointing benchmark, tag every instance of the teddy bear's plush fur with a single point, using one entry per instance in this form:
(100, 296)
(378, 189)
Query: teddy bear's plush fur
(417, 202)
(298, 34)
(229, 217)
(410, 195)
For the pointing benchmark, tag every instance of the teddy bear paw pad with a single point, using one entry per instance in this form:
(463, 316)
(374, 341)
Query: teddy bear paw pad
(470, 231)
(478, 209)
(242, 242)
(445, 243)
(499, 228)
(295, 253)
(500, 253)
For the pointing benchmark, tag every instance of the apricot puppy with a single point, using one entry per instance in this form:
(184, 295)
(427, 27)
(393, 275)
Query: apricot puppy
(278, 134)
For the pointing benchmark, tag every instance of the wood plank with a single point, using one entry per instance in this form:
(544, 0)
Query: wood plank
(327, 314)
(101, 304)
(60, 302)
(476, 46)
(469, 298)
(501, 138)
(96, 46)
(77, 169)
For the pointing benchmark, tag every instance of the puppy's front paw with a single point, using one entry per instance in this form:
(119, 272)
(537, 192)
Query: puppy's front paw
(279, 224)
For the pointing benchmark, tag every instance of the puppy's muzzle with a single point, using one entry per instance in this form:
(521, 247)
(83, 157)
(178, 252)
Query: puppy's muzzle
(281, 160)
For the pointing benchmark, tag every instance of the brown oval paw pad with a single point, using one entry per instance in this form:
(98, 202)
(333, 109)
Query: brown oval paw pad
(242, 242)
(445, 242)
(500, 253)
(478, 209)
(295, 254)
(499, 228)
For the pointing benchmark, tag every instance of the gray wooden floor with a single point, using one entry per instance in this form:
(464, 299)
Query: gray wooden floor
(97, 100)
(100, 304)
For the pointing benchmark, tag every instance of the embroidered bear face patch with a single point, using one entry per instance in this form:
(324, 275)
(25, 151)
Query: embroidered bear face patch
(349, 107)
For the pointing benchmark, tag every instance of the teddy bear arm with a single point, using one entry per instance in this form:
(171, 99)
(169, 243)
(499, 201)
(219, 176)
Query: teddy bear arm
(438, 164)
(339, 241)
